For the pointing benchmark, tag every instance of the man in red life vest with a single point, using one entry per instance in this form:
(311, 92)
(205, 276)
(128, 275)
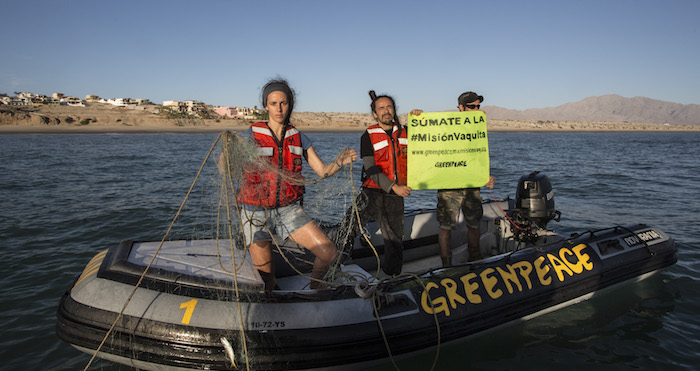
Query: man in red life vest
(383, 149)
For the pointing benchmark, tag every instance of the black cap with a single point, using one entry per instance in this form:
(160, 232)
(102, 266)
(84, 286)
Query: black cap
(468, 97)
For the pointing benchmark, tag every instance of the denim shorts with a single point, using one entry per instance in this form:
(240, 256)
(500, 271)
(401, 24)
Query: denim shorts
(451, 200)
(258, 222)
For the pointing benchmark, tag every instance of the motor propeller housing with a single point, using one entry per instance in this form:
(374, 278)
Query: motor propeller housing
(534, 202)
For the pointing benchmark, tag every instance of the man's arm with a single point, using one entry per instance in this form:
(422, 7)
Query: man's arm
(371, 169)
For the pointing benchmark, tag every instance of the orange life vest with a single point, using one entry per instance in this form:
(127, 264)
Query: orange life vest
(263, 187)
(390, 154)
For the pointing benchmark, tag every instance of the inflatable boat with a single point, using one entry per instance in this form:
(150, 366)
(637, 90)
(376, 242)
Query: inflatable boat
(200, 303)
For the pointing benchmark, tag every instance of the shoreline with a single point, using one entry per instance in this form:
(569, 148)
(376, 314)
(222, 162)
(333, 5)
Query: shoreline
(557, 127)
(106, 119)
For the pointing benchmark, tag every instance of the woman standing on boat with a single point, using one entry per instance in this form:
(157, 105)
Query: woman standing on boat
(270, 197)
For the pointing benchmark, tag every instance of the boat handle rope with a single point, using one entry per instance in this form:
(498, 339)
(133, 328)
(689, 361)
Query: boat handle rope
(646, 245)
(593, 232)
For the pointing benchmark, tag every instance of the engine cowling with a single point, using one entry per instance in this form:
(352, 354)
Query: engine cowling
(534, 201)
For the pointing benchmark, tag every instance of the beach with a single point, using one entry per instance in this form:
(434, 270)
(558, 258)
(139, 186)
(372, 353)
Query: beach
(105, 118)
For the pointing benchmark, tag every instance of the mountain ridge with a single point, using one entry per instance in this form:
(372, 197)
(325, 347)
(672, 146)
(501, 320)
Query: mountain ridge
(610, 108)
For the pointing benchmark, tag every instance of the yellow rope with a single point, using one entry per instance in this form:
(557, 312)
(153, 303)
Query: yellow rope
(145, 271)
(374, 302)
(224, 196)
(228, 181)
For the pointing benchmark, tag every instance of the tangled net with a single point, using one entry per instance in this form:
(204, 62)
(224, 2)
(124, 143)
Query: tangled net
(331, 201)
(335, 205)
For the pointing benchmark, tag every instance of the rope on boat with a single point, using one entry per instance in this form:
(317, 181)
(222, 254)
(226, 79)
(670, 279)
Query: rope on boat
(364, 289)
(229, 182)
(361, 229)
(379, 321)
(360, 290)
(145, 271)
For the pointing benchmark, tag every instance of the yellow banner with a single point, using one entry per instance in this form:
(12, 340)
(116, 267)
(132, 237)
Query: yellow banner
(447, 150)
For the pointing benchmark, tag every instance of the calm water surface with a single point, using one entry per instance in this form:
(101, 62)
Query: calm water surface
(67, 197)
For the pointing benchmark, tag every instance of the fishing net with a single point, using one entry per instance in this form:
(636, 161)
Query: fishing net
(214, 208)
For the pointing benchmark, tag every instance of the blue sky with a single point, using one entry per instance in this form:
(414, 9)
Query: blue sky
(517, 54)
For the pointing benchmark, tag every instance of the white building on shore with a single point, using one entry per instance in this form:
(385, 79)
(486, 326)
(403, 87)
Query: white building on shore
(189, 107)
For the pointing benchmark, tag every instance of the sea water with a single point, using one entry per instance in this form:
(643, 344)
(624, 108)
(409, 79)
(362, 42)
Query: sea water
(63, 198)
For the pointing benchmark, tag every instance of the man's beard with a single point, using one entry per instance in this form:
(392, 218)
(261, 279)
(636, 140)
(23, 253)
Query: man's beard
(386, 119)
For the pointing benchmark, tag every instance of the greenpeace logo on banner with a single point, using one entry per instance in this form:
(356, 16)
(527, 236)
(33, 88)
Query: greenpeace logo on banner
(451, 164)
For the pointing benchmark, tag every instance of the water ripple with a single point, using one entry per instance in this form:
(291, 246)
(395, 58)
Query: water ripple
(67, 197)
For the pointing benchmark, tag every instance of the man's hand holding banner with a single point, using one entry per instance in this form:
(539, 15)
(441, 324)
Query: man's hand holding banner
(447, 150)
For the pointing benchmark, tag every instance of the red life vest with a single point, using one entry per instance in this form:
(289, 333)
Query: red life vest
(263, 187)
(390, 154)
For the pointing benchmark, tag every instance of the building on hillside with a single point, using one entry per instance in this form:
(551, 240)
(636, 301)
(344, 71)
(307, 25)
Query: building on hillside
(195, 108)
(27, 95)
(17, 101)
(188, 107)
(40, 99)
(58, 96)
(92, 98)
(143, 102)
(73, 101)
(175, 106)
(231, 112)
(236, 112)
(31, 98)
(52, 101)
(119, 102)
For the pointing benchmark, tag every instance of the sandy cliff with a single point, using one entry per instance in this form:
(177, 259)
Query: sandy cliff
(97, 117)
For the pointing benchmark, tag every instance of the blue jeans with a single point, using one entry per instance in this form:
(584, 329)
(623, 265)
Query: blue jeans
(282, 221)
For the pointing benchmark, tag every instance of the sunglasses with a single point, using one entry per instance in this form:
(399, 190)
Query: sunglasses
(472, 106)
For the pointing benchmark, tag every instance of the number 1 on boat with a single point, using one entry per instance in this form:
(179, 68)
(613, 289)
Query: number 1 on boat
(189, 308)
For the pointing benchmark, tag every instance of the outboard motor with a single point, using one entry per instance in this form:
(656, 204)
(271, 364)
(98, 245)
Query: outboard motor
(534, 205)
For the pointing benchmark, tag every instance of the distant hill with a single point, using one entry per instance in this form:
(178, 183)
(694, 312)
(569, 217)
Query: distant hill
(612, 108)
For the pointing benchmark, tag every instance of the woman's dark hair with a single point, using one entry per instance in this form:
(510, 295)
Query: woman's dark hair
(279, 85)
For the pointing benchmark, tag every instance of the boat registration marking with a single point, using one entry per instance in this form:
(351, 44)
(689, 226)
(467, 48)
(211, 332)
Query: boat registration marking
(267, 324)
(637, 238)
